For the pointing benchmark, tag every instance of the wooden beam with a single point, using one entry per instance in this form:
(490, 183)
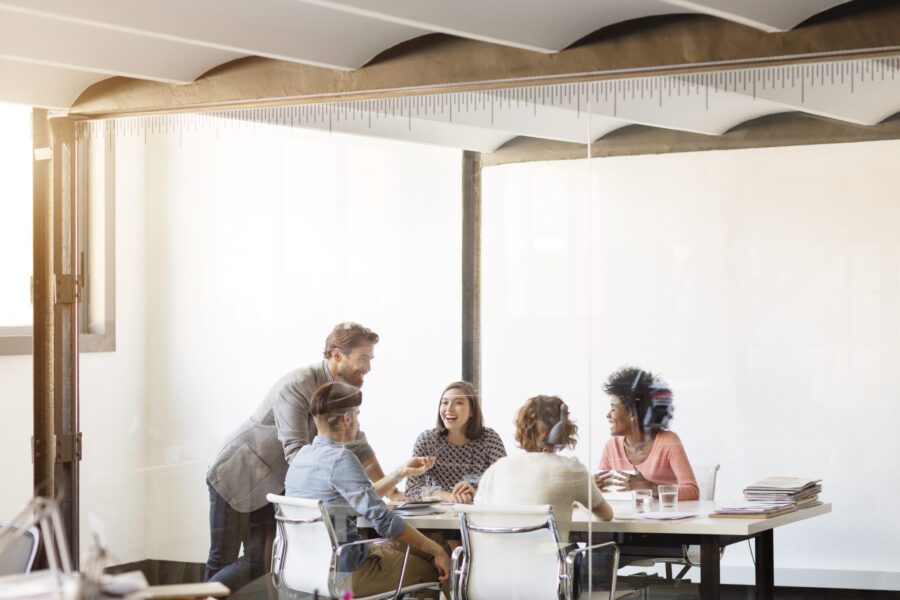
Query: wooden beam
(441, 63)
(783, 129)
(57, 440)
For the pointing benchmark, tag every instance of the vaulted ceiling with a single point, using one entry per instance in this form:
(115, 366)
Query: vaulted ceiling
(696, 66)
(51, 50)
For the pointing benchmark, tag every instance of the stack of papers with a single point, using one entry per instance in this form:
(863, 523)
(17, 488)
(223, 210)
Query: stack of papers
(799, 491)
(753, 510)
(412, 508)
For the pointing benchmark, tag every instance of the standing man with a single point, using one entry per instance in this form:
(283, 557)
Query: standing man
(254, 460)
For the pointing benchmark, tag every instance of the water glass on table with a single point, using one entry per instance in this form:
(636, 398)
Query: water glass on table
(643, 500)
(668, 497)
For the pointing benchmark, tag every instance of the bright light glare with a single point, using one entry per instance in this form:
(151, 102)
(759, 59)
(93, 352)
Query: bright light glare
(15, 215)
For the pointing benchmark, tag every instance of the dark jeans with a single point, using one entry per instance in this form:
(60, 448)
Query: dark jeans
(228, 530)
(601, 560)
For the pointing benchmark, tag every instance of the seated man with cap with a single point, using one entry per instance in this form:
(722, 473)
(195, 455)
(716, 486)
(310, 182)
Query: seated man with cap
(325, 470)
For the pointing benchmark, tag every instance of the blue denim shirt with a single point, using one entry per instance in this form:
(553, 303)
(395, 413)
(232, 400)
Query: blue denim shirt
(325, 470)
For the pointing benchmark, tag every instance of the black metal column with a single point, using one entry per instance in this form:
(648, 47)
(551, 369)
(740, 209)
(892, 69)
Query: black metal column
(765, 565)
(710, 575)
(471, 268)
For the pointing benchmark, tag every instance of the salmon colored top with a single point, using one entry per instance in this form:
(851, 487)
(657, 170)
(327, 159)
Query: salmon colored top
(667, 463)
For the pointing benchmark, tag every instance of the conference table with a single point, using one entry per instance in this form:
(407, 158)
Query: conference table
(711, 534)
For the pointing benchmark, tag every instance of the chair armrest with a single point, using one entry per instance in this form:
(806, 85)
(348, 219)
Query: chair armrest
(457, 567)
(360, 543)
(337, 559)
(570, 568)
(340, 549)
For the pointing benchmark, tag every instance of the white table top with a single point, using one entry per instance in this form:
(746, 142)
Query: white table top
(699, 525)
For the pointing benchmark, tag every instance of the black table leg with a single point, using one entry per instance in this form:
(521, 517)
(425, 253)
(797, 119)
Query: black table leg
(765, 566)
(710, 554)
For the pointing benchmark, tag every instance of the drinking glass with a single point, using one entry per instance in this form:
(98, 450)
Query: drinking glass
(643, 500)
(668, 497)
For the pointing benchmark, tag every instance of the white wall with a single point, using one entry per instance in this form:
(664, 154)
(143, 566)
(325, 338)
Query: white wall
(254, 249)
(16, 428)
(15, 310)
(763, 284)
(114, 384)
(112, 407)
(233, 261)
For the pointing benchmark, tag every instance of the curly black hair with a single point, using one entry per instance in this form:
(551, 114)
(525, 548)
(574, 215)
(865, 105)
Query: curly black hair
(633, 387)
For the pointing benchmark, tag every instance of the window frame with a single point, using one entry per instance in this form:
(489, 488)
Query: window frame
(19, 340)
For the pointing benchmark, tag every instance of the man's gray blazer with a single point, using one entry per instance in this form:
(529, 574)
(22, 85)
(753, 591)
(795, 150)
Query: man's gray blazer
(254, 460)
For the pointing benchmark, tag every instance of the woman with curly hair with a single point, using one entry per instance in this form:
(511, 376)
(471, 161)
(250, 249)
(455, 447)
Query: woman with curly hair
(642, 454)
(541, 475)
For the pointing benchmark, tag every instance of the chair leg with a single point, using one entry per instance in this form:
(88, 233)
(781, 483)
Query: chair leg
(683, 572)
(668, 570)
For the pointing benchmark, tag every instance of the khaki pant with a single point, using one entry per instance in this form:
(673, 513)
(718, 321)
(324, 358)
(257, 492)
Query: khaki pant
(380, 571)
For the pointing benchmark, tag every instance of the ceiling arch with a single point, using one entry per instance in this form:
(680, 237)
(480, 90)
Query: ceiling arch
(175, 41)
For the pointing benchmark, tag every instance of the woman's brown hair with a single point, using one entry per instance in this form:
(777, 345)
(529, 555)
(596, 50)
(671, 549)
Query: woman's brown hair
(475, 424)
(547, 410)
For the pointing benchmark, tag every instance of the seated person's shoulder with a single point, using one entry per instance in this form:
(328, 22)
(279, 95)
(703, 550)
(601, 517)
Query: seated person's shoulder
(669, 438)
(428, 437)
(490, 435)
(572, 463)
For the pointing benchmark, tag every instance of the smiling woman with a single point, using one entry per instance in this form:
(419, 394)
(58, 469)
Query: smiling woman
(462, 446)
(638, 456)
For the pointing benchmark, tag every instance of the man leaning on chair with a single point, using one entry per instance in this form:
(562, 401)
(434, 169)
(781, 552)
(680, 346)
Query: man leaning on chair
(254, 460)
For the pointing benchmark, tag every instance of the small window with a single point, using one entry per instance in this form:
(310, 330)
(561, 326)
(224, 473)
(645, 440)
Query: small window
(96, 197)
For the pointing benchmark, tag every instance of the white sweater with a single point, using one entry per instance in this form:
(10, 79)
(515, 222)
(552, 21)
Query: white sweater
(540, 478)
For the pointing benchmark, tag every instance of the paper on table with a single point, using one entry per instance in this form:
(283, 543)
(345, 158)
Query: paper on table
(667, 516)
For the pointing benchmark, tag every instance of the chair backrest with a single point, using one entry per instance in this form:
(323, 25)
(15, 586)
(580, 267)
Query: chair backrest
(706, 479)
(304, 547)
(512, 552)
(19, 556)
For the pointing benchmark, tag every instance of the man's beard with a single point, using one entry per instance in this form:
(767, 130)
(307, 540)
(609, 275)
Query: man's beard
(352, 377)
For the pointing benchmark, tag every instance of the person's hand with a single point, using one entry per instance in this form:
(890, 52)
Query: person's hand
(397, 495)
(456, 497)
(637, 482)
(463, 492)
(417, 466)
(442, 563)
(605, 479)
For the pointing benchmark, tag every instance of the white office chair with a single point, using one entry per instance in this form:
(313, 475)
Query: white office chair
(513, 552)
(18, 557)
(306, 553)
(707, 475)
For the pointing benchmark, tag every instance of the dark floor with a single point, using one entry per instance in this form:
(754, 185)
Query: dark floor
(662, 590)
(261, 589)
(165, 572)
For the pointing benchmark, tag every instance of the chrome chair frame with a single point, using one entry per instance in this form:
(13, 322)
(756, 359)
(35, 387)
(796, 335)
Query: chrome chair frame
(459, 561)
(279, 553)
(29, 530)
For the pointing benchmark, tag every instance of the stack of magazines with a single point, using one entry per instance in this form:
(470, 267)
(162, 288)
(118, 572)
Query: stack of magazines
(772, 497)
(802, 492)
(753, 510)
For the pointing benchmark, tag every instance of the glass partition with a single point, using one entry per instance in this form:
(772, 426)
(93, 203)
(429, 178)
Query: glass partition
(761, 284)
